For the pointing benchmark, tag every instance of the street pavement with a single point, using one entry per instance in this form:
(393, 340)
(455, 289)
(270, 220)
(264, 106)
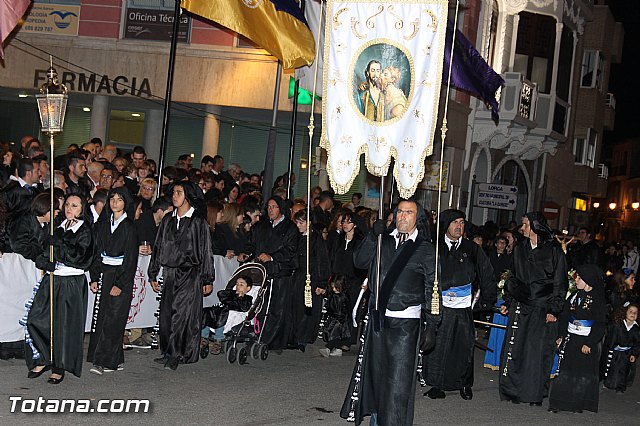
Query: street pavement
(291, 388)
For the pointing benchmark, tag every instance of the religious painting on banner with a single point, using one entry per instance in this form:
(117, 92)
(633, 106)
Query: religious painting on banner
(381, 86)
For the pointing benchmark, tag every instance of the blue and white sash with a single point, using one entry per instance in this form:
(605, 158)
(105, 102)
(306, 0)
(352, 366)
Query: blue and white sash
(579, 327)
(111, 260)
(457, 297)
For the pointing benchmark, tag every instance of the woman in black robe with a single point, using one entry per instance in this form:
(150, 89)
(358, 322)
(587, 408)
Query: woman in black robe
(622, 347)
(581, 328)
(307, 320)
(534, 297)
(112, 275)
(183, 250)
(73, 254)
(342, 263)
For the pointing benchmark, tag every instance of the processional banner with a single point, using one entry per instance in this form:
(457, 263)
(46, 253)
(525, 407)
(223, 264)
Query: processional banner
(381, 86)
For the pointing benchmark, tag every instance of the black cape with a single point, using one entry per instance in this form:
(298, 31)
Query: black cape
(111, 312)
(185, 255)
(74, 249)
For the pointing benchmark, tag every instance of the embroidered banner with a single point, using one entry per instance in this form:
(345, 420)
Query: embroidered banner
(382, 74)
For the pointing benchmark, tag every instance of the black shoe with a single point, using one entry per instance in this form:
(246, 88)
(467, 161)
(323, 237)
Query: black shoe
(171, 364)
(35, 374)
(552, 410)
(162, 360)
(435, 393)
(301, 347)
(466, 393)
(536, 404)
(55, 381)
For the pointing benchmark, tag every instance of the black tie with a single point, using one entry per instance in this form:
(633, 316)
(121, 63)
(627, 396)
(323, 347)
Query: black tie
(454, 245)
(402, 237)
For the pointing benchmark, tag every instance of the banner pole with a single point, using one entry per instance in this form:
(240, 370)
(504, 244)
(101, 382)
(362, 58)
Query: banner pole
(435, 295)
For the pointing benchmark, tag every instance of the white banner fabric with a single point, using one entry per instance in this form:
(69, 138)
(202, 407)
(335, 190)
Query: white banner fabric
(382, 75)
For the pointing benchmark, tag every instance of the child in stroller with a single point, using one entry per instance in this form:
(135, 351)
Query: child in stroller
(239, 302)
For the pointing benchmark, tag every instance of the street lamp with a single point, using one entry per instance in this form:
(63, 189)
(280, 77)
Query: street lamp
(612, 205)
(635, 205)
(596, 205)
(52, 105)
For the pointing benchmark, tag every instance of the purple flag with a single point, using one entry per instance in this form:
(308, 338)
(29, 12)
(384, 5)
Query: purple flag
(470, 72)
(11, 11)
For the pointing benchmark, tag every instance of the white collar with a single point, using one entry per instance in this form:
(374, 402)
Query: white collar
(75, 227)
(449, 241)
(189, 213)
(21, 181)
(115, 224)
(95, 214)
(411, 236)
(276, 222)
(629, 327)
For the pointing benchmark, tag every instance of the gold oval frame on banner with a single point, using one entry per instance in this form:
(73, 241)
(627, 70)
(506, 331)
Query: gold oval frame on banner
(353, 89)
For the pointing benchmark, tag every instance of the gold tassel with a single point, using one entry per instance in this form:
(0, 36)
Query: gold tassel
(435, 299)
(307, 292)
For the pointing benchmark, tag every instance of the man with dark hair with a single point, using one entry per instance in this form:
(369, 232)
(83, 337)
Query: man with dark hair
(586, 252)
(147, 225)
(356, 198)
(370, 96)
(98, 202)
(321, 214)
(400, 319)
(107, 176)
(274, 242)
(218, 164)
(18, 193)
(206, 164)
(75, 176)
(183, 250)
(138, 156)
(462, 263)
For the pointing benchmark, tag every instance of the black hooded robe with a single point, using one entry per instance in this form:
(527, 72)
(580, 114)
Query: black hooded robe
(621, 343)
(537, 286)
(186, 259)
(384, 377)
(576, 387)
(110, 320)
(73, 249)
(306, 321)
(280, 242)
(450, 365)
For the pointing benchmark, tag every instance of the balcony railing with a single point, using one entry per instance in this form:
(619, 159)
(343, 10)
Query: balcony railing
(610, 101)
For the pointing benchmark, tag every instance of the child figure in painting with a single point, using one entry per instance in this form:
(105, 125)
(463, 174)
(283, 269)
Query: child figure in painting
(623, 345)
(581, 328)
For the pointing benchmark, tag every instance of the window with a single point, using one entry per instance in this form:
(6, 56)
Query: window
(565, 60)
(592, 67)
(535, 48)
(584, 149)
(492, 35)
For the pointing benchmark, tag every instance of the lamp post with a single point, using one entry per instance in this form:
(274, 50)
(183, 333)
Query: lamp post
(52, 105)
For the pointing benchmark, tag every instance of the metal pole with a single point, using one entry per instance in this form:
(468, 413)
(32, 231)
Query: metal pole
(51, 229)
(267, 179)
(379, 248)
(167, 97)
(292, 140)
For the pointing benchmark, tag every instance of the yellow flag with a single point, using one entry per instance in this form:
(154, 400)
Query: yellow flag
(277, 26)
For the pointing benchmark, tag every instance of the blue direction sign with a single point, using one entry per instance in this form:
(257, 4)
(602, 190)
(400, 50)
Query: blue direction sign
(497, 196)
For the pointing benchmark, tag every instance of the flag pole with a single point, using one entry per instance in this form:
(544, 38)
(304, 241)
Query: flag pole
(292, 139)
(267, 179)
(435, 304)
(167, 97)
(308, 298)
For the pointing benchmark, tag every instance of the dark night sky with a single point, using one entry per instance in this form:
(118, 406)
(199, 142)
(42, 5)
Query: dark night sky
(624, 83)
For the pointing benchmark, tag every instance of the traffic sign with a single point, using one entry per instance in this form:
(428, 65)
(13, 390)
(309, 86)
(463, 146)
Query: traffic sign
(497, 196)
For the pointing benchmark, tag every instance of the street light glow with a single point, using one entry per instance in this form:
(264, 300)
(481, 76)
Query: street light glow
(612, 206)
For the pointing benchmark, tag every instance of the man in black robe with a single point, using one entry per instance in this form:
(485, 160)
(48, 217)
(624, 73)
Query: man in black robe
(534, 297)
(384, 378)
(274, 242)
(17, 197)
(450, 366)
(183, 250)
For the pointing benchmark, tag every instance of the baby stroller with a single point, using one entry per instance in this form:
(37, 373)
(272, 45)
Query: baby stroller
(243, 340)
